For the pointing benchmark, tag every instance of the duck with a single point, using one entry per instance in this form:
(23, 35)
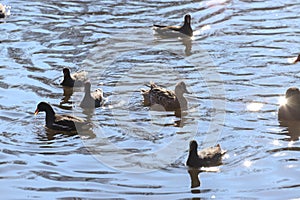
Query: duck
(91, 100)
(291, 109)
(59, 122)
(297, 59)
(76, 79)
(184, 29)
(171, 101)
(211, 156)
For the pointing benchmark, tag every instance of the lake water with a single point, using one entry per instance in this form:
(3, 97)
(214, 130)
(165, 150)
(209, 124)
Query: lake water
(236, 67)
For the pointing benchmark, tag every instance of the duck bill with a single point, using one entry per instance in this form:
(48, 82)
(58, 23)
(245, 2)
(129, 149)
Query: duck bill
(36, 112)
(186, 91)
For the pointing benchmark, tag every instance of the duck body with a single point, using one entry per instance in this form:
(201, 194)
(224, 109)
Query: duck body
(58, 122)
(73, 80)
(184, 29)
(170, 100)
(291, 110)
(91, 100)
(211, 156)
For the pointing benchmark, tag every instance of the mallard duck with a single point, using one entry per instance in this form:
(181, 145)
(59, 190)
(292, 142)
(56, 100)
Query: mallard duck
(91, 100)
(171, 101)
(297, 59)
(76, 79)
(58, 122)
(208, 157)
(290, 110)
(185, 28)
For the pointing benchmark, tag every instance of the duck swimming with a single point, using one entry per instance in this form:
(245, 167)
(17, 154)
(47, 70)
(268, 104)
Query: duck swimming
(290, 110)
(58, 122)
(91, 100)
(211, 156)
(76, 79)
(184, 29)
(171, 101)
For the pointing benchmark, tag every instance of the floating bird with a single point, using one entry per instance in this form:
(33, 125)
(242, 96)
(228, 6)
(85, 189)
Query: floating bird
(76, 79)
(184, 29)
(59, 122)
(91, 100)
(171, 101)
(290, 110)
(211, 156)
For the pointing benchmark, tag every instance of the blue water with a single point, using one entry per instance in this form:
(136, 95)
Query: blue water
(237, 66)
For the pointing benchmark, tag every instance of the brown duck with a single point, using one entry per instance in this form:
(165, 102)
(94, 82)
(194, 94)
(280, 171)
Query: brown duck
(291, 110)
(208, 157)
(171, 101)
(91, 100)
(185, 28)
(76, 79)
(58, 122)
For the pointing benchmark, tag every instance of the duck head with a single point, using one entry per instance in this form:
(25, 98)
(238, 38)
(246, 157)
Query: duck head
(292, 96)
(87, 87)
(193, 146)
(187, 19)
(66, 72)
(43, 106)
(292, 92)
(180, 88)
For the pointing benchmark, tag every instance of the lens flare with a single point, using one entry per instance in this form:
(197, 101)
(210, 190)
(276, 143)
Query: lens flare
(255, 107)
(292, 60)
(282, 101)
(247, 163)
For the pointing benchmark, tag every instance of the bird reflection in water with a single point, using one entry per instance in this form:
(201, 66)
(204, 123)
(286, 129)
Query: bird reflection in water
(293, 129)
(68, 92)
(194, 175)
(186, 42)
(195, 178)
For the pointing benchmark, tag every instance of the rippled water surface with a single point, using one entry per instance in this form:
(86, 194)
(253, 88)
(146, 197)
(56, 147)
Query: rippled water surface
(236, 67)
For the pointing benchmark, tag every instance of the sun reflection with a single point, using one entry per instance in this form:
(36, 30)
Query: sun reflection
(292, 60)
(291, 143)
(201, 30)
(247, 163)
(276, 143)
(291, 166)
(255, 107)
(205, 27)
(282, 101)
